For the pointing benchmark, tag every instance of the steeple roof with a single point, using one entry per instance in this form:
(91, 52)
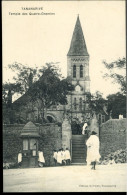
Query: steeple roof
(78, 45)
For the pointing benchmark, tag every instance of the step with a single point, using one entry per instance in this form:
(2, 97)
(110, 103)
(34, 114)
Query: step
(81, 144)
(76, 164)
(77, 142)
(79, 152)
(78, 138)
(78, 157)
(82, 141)
(78, 135)
(75, 159)
(76, 150)
(75, 155)
(80, 148)
(78, 145)
(79, 161)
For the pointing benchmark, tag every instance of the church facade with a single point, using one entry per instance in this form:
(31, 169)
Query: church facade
(78, 72)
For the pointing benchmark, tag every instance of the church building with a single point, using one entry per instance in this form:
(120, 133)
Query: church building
(77, 108)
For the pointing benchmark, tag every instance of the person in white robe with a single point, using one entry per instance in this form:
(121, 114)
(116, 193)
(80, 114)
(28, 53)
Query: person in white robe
(55, 157)
(63, 156)
(41, 159)
(59, 157)
(19, 158)
(84, 127)
(67, 157)
(93, 154)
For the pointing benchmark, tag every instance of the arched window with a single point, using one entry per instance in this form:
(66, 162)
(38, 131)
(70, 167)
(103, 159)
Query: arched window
(80, 104)
(75, 105)
(50, 119)
(74, 71)
(81, 71)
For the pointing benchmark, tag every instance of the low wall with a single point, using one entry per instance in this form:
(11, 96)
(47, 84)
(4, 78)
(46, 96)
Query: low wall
(51, 136)
(112, 136)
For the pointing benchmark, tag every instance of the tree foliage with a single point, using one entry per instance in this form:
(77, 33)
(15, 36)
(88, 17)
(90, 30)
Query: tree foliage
(117, 102)
(23, 78)
(116, 71)
(23, 75)
(50, 89)
(96, 102)
(117, 105)
(8, 90)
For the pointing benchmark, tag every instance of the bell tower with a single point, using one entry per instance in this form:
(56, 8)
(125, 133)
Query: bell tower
(78, 71)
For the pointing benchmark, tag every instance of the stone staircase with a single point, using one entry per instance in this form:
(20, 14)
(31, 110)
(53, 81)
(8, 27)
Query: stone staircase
(79, 149)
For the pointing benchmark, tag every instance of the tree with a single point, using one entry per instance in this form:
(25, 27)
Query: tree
(8, 90)
(50, 89)
(117, 105)
(117, 102)
(96, 102)
(24, 75)
(116, 71)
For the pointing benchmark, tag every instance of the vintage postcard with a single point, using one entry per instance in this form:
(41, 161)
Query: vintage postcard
(64, 96)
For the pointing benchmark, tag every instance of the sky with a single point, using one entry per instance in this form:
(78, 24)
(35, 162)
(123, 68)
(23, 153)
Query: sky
(34, 40)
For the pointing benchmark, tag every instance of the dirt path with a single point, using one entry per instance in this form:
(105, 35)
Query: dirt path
(109, 178)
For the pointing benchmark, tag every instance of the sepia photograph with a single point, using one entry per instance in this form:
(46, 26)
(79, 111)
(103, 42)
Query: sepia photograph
(64, 96)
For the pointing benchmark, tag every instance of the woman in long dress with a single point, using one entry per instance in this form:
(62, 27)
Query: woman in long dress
(59, 157)
(93, 154)
(41, 159)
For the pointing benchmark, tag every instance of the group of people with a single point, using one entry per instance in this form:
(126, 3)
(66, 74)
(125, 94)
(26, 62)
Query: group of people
(41, 159)
(62, 157)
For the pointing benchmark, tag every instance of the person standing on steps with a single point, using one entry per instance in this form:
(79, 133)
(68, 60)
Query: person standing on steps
(93, 154)
(84, 128)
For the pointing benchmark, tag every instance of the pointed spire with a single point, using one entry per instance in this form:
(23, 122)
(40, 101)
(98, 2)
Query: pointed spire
(78, 45)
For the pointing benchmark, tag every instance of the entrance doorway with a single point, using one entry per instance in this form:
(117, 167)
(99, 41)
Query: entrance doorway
(76, 128)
